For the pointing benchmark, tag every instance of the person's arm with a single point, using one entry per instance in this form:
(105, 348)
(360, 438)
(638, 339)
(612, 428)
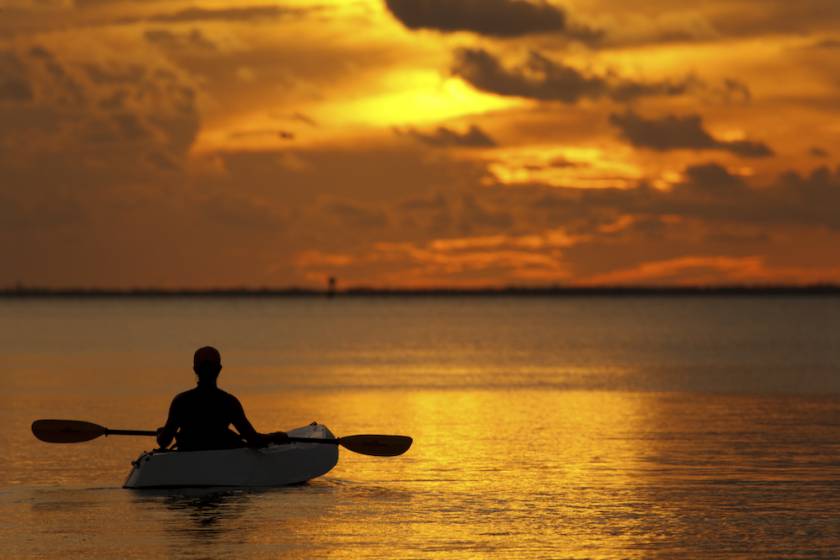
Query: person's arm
(167, 432)
(247, 431)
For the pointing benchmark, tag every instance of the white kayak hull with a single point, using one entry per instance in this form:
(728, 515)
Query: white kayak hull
(275, 465)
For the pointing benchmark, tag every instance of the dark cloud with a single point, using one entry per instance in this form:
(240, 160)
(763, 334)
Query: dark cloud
(816, 151)
(710, 194)
(538, 78)
(735, 90)
(475, 216)
(171, 40)
(356, 216)
(628, 90)
(495, 18)
(242, 210)
(444, 137)
(827, 44)
(115, 73)
(304, 118)
(746, 148)
(544, 79)
(263, 132)
(63, 87)
(14, 90)
(810, 200)
(792, 200)
(711, 176)
(98, 118)
(433, 202)
(431, 214)
(675, 132)
(14, 84)
(712, 223)
(659, 22)
(244, 13)
(777, 16)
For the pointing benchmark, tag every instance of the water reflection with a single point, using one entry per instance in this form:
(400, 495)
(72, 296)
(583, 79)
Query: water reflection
(200, 517)
(208, 510)
(227, 521)
(519, 474)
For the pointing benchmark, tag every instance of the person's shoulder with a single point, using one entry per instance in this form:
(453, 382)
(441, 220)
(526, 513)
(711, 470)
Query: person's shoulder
(227, 396)
(229, 399)
(184, 395)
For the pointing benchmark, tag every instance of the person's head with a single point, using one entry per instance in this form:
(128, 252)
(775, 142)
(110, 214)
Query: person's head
(207, 363)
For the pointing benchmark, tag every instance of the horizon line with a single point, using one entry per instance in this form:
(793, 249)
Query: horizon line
(21, 291)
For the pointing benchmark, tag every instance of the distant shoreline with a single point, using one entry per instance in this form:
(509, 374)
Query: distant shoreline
(555, 291)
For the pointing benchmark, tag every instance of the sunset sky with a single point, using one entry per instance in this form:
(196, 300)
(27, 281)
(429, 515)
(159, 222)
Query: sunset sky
(418, 143)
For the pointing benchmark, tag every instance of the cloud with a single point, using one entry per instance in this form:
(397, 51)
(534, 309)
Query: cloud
(544, 79)
(14, 85)
(476, 216)
(713, 227)
(494, 18)
(692, 270)
(243, 13)
(826, 44)
(119, 117)
(629, 25)
(746, 148)
(661, 22)
(470, 261)
(809, 200)
(172, 40)
(711, 177)
(444, 137)
(818, 152)
(355, 216)
(735, 90)
(263, 132)
(674, 132)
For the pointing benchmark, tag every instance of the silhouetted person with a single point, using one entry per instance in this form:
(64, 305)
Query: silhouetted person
(200, 418)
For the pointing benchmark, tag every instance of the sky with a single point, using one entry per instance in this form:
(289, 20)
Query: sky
(418, 143)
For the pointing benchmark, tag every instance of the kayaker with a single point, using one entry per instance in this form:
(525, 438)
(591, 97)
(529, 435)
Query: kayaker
(201, 417)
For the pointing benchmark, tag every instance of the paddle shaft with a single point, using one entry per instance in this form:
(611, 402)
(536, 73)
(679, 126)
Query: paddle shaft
(76, 431)
(335, 441)
(109, 432)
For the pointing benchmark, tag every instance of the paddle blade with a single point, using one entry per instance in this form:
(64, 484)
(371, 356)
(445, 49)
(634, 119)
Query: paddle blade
(381, 446)
(66, 431)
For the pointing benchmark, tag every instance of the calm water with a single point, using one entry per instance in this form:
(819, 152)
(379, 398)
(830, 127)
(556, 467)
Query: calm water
(544, 428)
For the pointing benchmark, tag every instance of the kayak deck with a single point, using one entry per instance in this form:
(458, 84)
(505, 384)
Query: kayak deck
(275, 465)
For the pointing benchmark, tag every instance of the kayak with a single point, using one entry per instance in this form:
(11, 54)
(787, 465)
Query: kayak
(275, 465)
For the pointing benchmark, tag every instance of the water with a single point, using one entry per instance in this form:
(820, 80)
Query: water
(544, 428)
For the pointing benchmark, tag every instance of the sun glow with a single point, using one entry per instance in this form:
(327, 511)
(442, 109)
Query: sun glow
(414, 97)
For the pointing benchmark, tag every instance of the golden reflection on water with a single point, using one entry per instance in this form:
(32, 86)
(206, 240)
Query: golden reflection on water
(507, 460)
(518, 474)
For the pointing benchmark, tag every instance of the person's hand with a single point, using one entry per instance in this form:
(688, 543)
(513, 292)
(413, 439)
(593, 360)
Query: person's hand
(279, 438)
(161, 440)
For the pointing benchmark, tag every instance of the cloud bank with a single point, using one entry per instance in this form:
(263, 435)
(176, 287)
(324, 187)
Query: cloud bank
(493, 18)
(675, 132)
(444, 137)
(543, 79)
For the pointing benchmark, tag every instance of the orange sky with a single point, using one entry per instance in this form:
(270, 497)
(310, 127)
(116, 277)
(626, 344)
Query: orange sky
(418, 142)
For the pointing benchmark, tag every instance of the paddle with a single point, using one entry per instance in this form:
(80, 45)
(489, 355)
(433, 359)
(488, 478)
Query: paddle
(366, 444)
(76, 431)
